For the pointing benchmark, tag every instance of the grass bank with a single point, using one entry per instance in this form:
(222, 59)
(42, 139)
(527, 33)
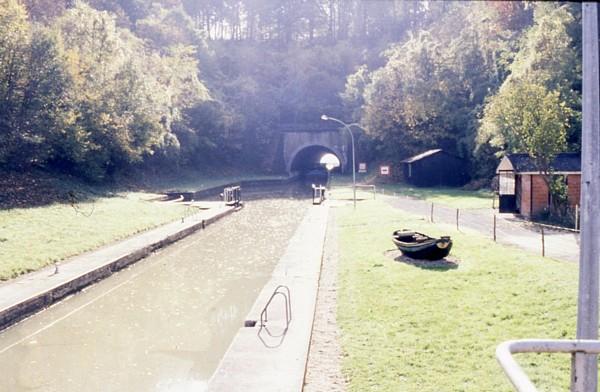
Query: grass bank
(447, 196)
(48, 217)
(31, 238)
(411, 328)
(450, 197)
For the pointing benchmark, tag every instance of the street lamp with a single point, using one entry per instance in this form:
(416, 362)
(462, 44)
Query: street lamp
(324, 117)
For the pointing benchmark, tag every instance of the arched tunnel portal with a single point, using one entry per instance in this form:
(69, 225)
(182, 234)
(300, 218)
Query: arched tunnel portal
(302, 151)
(309, 158)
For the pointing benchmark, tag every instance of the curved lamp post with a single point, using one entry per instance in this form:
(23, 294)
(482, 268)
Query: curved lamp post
(324, 117)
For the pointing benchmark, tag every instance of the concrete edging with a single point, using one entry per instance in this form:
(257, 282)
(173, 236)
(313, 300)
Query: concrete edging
(272, 363)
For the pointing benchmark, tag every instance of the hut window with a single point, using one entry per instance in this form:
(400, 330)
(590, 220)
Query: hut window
(507, 183)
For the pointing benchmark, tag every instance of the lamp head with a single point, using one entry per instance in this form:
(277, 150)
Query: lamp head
(324, 117)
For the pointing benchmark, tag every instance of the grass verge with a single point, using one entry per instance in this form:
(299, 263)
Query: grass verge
(451, 197)
(411, 328)
(31, 238)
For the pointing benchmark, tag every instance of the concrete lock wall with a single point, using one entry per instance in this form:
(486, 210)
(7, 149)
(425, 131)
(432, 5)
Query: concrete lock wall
(294, 142)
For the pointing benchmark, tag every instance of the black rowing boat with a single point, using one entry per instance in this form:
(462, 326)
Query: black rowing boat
(420, 246)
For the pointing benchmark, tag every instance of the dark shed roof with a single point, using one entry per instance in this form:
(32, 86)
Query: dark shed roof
(421, 155)
(564, 162)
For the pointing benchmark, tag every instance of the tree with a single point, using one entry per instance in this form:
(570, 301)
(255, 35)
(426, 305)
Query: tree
(13, 68)
(537, 109)
(526, 117)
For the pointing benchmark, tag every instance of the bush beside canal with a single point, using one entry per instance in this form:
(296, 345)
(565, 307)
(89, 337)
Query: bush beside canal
(407, 327)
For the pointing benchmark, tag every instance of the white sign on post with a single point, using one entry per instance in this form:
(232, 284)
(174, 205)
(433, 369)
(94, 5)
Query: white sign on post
(362, 167)
(384, 170)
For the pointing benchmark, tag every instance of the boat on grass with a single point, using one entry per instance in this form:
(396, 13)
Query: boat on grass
(420, 246)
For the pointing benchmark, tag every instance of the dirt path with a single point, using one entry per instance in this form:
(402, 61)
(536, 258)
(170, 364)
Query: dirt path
(560, 245)
(323, 371)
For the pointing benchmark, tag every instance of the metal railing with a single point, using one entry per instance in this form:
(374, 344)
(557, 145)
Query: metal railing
(318, 193)
(266, 336)
(288, 306)
(372, 188)
(516, 374)
(232, 196)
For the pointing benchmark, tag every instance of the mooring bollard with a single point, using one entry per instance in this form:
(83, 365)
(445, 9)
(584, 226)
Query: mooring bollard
(494, 227)
(543, 244)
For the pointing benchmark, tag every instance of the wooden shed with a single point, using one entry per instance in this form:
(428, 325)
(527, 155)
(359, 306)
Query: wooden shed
(522, 187)
(435, 168)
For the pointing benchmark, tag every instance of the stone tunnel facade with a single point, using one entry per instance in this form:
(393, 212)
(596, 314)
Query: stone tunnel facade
(295, 142)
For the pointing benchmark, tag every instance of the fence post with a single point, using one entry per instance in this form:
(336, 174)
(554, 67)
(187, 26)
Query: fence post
(457, 229)
(494, 227)
(543, 244)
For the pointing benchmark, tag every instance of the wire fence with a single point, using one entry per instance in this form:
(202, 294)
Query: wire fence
(503, 228)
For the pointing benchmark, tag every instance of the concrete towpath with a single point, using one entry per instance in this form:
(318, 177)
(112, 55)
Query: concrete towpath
(510, 230)
(25, 295)
(273, 357)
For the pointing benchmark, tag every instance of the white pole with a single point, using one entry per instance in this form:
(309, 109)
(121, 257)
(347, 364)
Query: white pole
(353, 165)
(327, 118)
(584, 370)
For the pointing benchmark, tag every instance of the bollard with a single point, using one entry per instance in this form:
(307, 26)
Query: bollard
(576, 216)
(543, 244)
(431, 215)
(457, 229)
(494, 227)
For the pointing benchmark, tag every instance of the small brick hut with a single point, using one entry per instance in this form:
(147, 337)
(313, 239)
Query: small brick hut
(435, 168)
(522, 187)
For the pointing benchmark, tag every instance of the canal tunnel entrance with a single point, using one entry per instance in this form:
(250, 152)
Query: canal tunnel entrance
(307, 163)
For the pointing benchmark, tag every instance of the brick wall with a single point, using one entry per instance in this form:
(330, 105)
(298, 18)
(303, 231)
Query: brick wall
(539, 194)
(534, 187)
(574, 188)
(525, 195)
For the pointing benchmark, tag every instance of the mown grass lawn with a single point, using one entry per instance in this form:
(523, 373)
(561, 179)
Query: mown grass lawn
(31, 238)
(447, 196)
(450, 197)
(409, 328)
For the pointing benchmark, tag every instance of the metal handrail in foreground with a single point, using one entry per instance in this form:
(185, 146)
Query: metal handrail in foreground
(516, 374)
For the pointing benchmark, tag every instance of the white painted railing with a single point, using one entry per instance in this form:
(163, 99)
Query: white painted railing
(516, 374)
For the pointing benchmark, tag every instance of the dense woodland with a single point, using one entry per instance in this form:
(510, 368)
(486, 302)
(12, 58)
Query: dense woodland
(99, 87)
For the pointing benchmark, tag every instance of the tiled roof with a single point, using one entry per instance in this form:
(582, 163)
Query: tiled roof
(564, 162)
